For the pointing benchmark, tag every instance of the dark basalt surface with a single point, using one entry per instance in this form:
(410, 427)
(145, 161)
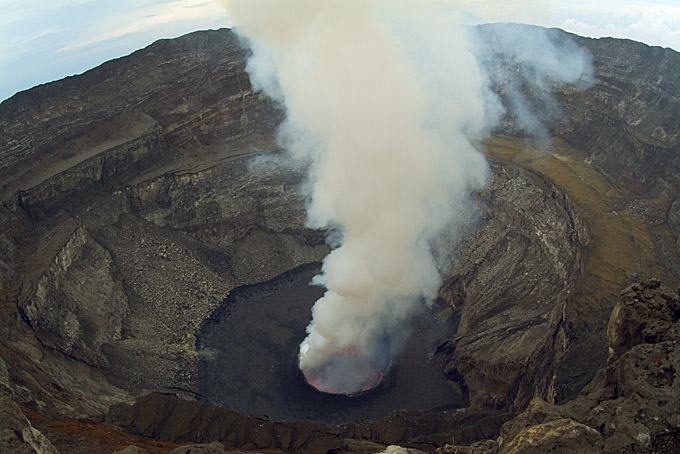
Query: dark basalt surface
(249, 348)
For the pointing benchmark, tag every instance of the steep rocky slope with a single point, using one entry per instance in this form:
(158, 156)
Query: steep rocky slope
(630, 405)
(137, 196)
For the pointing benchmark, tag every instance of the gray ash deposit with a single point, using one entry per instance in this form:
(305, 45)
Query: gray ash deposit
(249, 349)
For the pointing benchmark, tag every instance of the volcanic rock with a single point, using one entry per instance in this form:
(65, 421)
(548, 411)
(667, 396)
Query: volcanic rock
(129, 450)
(630, 406)
(210, 448)
(138, 196)
(17, 435)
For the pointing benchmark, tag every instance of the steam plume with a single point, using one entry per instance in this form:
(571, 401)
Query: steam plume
(383, 99)
(536, 62)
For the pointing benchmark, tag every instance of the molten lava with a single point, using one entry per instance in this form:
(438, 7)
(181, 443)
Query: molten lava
(349, 372)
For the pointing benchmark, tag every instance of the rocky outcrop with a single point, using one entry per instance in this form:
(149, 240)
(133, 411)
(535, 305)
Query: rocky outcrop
(520, 266)
(79, 302)
(17, 435)
(170, 418)
(630, 406)
(646, 314)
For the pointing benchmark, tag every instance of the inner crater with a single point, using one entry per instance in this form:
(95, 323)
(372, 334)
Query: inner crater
(351, 371)
(249, 359)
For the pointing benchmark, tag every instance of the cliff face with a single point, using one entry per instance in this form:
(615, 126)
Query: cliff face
(622, 121)
(195, 87)
(630, 406)
(137, 196)
(78, 303)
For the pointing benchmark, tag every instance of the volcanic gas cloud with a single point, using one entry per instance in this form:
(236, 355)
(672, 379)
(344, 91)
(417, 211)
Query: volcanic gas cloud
(383, 100)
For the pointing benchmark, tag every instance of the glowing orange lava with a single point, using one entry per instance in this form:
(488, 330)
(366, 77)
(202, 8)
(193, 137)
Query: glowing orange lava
(318, 378)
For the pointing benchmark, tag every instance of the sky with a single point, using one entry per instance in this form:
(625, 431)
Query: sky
(45, 40)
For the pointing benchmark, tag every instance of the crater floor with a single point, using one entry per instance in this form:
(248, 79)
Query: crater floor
(249, 350)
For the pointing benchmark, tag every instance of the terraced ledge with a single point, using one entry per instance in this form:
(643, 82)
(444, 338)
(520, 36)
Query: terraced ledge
(621, 248)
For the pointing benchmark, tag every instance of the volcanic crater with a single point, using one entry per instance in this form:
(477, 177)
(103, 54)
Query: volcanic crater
(249, 348)
(154, 239)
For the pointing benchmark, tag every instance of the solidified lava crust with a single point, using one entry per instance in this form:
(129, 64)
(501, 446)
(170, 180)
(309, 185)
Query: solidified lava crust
(251, 362)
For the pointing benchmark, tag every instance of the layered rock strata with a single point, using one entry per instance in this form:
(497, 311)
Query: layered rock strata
(136, 196)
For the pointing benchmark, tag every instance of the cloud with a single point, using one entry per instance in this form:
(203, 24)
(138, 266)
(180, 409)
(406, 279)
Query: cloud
(523, 11)
(654, 23)
(44, 40)
(24, 44)
(149, 17)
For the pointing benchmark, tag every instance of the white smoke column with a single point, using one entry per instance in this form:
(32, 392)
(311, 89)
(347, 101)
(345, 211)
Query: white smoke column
(383, 98)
